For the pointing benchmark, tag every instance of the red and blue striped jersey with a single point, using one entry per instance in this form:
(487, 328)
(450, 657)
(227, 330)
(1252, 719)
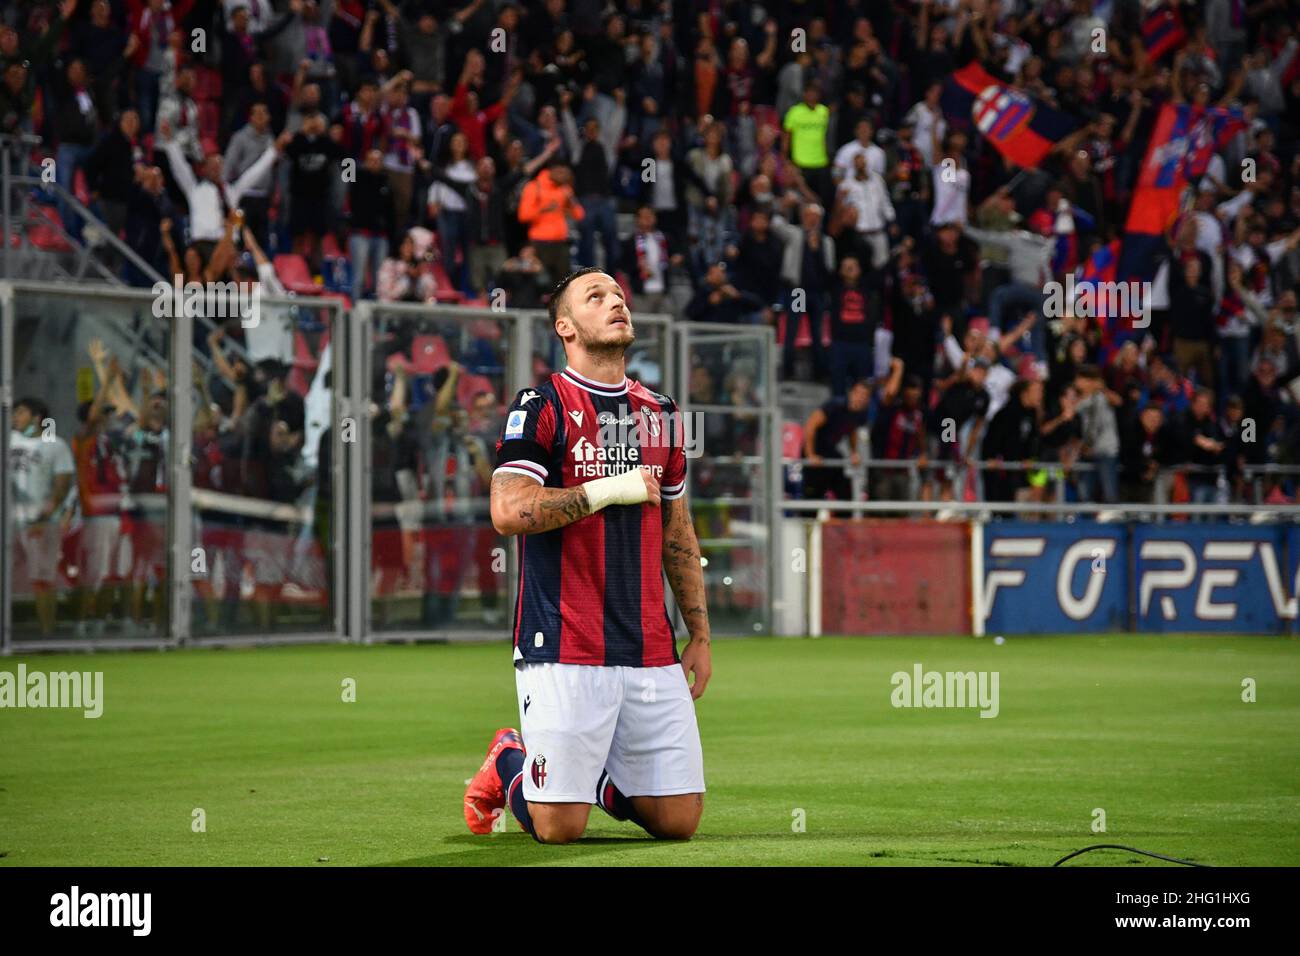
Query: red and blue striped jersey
(592, 592)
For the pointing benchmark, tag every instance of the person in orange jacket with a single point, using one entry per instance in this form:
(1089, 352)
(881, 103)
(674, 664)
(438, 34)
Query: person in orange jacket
(545, 207)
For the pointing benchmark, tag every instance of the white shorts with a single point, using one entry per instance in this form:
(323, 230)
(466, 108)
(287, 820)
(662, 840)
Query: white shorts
(636, 722)
(40, 545)
(101, 551)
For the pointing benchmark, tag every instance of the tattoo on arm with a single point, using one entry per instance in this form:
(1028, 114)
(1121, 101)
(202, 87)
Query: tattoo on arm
(681, 552)
(531, 508)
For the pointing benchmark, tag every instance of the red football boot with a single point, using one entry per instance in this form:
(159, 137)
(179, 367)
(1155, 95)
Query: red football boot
(486, 794)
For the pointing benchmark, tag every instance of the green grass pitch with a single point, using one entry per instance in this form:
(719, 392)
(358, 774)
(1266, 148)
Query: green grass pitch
(1152, 730)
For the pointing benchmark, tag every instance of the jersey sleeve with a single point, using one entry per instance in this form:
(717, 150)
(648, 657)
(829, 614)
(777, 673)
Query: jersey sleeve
(524, 447)
(674, 483)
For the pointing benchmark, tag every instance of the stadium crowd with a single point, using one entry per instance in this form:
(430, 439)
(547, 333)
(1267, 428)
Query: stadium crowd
(790, 164)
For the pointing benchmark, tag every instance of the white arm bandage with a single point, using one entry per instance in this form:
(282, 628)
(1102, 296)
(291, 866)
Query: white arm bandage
(628, 488)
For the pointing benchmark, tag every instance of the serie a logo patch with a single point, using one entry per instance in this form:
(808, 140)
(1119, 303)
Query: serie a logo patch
(515, 423)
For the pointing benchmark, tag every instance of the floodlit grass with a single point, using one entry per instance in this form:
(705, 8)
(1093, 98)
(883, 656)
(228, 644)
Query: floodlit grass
(1152, 730)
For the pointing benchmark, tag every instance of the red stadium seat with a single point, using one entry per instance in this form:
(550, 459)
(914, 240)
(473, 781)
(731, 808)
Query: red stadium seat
(305, 362)
(48, 236)
(467, 386)
(791, 440)
(329, 247)
(446, 291)
(294, 274)
(485, 329)
(803, 337)
(429, 353)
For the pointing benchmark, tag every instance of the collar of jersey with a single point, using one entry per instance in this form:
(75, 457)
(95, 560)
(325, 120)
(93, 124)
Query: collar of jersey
(600, 388)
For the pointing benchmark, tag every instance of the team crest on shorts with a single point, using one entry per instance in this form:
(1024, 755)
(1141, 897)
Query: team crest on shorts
(539, 772)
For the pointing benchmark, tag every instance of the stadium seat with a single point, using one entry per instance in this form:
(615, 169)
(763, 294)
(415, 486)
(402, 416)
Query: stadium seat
(294, 274)
(48, 236)
(329, 247)
(791, 440)
(429, 353)
(485, 329)
(306, 361)
(446, 291)
(803, 336)
(467, 386)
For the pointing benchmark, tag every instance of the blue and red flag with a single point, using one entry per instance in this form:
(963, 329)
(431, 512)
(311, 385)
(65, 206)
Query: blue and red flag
(1185, 138)
(1102, 267)
(1020, 127)
(1162, 32)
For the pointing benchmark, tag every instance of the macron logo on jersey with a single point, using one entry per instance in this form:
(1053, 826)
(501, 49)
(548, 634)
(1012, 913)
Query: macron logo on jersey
(528, 396)
(576, 415)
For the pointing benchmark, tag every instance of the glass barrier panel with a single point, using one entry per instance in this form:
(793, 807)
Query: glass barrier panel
(262, 472)
(438, 382)
(89, 452)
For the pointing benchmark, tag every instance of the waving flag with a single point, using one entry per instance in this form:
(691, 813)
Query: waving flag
(1162, 31)
(1102, 267)
(1182, 144)
(1021, 128)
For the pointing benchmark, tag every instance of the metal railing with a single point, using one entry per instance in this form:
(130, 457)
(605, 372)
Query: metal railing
(16, 190)
(1060, 474)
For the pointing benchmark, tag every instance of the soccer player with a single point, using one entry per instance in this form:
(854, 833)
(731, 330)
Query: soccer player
(591, 474)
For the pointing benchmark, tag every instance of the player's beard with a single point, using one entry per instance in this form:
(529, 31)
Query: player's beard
(607, 346)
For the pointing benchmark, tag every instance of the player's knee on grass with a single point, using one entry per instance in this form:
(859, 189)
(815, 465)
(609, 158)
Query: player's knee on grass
(559, 822)
(671, 818)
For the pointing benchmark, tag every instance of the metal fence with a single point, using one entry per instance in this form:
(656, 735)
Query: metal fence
(353, 551)
(1061, 478)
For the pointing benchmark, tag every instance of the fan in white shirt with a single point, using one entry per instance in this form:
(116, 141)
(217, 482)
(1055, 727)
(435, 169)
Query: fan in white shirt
(862, 145)
(867, 193)
(928, 125)
(205, 196)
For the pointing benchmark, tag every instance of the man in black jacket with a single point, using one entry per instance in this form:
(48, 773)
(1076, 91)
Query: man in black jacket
(759, 260)
(314, 168)
(1146, 443)
(1013, 436)
(372, 222)
(717, 300)
(1204, 447)
(110, 169)
(76, 125)
(1192, 320)
(147, 207)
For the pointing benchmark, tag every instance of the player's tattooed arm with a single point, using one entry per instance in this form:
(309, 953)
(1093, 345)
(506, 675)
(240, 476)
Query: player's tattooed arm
(681, 551)
(521, 506)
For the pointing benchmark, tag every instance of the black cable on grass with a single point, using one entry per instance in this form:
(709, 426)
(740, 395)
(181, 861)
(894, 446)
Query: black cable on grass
(1130, 849)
